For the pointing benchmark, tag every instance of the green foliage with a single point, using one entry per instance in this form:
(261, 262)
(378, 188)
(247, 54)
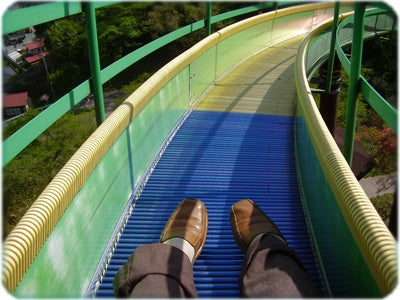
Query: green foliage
(381, 70)
(29, 173)
(363, 109)
(371, 131)
(383, 205)
(34, 81)
(66, 39)
(121, 28)
(66, 78)
(169, 16)
(179, 15)
(131, 87)
(66, 42)
(381, 144)
(14, 125)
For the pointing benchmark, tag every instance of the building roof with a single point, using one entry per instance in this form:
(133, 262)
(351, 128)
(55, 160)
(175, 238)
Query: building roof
(15, 55)
(15, 100)
(33, 58)
(34, 45)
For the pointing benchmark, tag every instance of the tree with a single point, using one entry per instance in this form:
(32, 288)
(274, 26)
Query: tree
(68, 60)
(382, 76)
(26, 176)
(121, 28)
(179, 15)
(66, 39)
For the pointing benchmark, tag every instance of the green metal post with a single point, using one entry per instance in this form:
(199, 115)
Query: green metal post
(208, 17)
(94, 60)
(355, 71)
(331, 59)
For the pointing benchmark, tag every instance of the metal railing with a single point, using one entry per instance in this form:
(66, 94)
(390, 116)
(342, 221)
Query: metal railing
(379, 20)
(22, 138)
(28, 237)
(15, 20)
(376, 243)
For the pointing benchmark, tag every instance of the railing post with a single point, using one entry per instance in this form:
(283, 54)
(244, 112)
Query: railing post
(330, 80)
(208, 17)
(355, 71)
(94, 60)
(331, 60)
(329, 100)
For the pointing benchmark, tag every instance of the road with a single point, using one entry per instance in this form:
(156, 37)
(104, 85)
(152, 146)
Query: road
(379, 185)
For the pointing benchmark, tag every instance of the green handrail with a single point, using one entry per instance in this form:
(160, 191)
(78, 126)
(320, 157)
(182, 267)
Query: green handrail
(355, 73)
(357, 82)
(14, 20)
(331, 59)
(22, 18)
(94, 59)
(208, 17)
(18, 19)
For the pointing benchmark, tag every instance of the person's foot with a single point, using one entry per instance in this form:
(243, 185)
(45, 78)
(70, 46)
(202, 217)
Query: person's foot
(188, 222)
(249, 221)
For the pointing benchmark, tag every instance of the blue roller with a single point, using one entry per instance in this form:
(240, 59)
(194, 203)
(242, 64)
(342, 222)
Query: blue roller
(220, 158)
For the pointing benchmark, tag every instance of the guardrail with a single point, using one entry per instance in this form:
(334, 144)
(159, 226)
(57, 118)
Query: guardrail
(128, 139)
(358, 26)
(114, 135)
(319, 162)
(377, 22)
(24, 242)
(23, 18)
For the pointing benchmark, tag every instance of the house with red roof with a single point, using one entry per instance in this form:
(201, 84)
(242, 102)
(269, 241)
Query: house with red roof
(15, 104)
(34, 53)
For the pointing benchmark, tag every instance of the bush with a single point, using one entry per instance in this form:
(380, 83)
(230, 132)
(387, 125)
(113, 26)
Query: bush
(26, 176)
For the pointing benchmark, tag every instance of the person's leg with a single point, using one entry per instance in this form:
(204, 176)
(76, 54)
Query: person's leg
(165, 269)
(156, 270)
(270, 267)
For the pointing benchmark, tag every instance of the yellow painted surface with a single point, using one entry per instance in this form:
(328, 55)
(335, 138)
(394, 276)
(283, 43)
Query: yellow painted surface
(263, 84)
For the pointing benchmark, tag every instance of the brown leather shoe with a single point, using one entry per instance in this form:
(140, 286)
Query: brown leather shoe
(189, 221)
(247, 221)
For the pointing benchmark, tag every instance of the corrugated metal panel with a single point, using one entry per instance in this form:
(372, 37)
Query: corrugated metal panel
(221, 158)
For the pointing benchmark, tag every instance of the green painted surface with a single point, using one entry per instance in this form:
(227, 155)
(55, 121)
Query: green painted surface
(287, 24)
(94, 61)
(263, 84)
(14, 20)
(353, 88)
(89, 221)
(66, 263)
(344, 266)
(30, 131)
(61, 270)
(202, 73)
(244, 42)
(377, 21)
(133, 57)
(234, 13)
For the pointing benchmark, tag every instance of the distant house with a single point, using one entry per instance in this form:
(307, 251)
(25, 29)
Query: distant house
(15, 57)
(34, 53)
(15, 104)
(15, 38)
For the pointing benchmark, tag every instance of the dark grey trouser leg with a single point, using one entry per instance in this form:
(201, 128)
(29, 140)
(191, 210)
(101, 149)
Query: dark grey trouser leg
(156, 270)
(272, 269)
